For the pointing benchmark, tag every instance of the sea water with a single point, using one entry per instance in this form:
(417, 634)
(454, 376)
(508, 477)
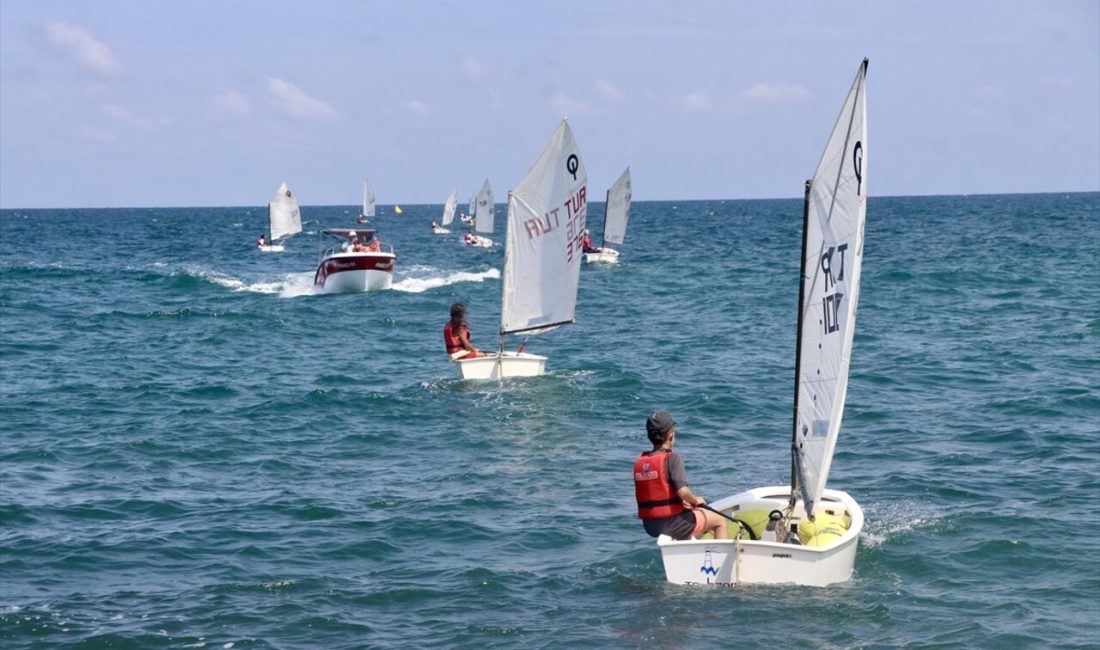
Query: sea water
(199, 450)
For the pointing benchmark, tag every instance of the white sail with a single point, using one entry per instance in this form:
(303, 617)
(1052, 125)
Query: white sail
(473, 205)
(547, 212)
(484, 211)
(449, 208)
(836, 211)
(283, 213)
(617, 211)
(368, 199)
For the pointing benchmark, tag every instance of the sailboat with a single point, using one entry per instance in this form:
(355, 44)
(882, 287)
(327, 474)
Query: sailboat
(448, 215)
(284, 218)
(484, 217)
(805, 533)
(614, 222)
(547, 211)
(368, 203)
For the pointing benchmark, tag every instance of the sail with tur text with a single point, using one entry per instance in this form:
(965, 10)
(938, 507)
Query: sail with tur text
(547, 211)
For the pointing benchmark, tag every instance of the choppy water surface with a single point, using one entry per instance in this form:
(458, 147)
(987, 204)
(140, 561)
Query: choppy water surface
(198, 451)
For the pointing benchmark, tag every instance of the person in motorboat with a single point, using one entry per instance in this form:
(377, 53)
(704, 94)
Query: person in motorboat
(350, 244)
(456, 335)
(666, 504)
(261, 242)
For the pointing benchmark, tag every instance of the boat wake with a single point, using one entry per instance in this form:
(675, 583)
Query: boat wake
(425, 277)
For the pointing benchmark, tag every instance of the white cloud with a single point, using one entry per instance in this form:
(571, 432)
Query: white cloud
(567, 106)
(608, 91)
(775, 93)
(294, 102)
(696, 102)
(417, 106)
(231, 103)
(90, 53)
(473, 69)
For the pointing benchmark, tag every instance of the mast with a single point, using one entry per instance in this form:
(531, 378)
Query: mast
(796, 465)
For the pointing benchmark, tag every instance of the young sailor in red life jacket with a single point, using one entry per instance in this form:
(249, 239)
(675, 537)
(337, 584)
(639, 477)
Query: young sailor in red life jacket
(587, 246)
(456, 335)
(661, 488)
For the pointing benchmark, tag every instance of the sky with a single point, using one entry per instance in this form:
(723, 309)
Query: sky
(154, 103)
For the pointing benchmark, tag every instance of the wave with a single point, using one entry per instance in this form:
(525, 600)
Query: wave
(431, 280)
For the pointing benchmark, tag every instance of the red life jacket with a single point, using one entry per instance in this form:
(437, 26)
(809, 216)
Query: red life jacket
(451, 340)
(655, 496)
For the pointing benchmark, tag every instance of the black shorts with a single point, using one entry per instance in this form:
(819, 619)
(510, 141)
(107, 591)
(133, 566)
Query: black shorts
(677, 527)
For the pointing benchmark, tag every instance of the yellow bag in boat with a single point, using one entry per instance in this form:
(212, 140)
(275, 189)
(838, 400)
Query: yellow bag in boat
(823, 531)
(755, 519)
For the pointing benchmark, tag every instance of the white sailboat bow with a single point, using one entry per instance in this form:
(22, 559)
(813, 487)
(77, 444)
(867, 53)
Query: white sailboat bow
(547, 212)
(813, 535)
(284, 218)
(614, 224)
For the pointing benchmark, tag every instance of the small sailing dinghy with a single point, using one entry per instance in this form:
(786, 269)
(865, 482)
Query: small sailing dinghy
(368, 203)
(542, 256)
(484, 217)
(359, 262)
(448, 215)
(805, 533)
(614, 222)
(284, 219)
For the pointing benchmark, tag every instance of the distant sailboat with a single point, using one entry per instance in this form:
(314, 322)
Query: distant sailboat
(397, 209)
(448, 214)
(368, 203)
(284, 219)
(484, 213)
(805, 533)
(542, 256)
(614, 223)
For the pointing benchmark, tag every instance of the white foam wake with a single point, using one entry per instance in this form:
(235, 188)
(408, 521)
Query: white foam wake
(425, 278)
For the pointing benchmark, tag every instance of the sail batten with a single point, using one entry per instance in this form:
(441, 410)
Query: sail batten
(835, 214)
(547, 212)
(284, 217)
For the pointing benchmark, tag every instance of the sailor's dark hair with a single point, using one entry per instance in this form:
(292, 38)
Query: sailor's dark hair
(458, 310)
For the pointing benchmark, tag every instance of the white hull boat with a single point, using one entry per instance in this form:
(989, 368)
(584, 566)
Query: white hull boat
(606, 256)
(501, 365)
(347, 272)
(272, 248)
(812, 532)
(542, 255)
(477, 241)
(440, 230)
(730, 562)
